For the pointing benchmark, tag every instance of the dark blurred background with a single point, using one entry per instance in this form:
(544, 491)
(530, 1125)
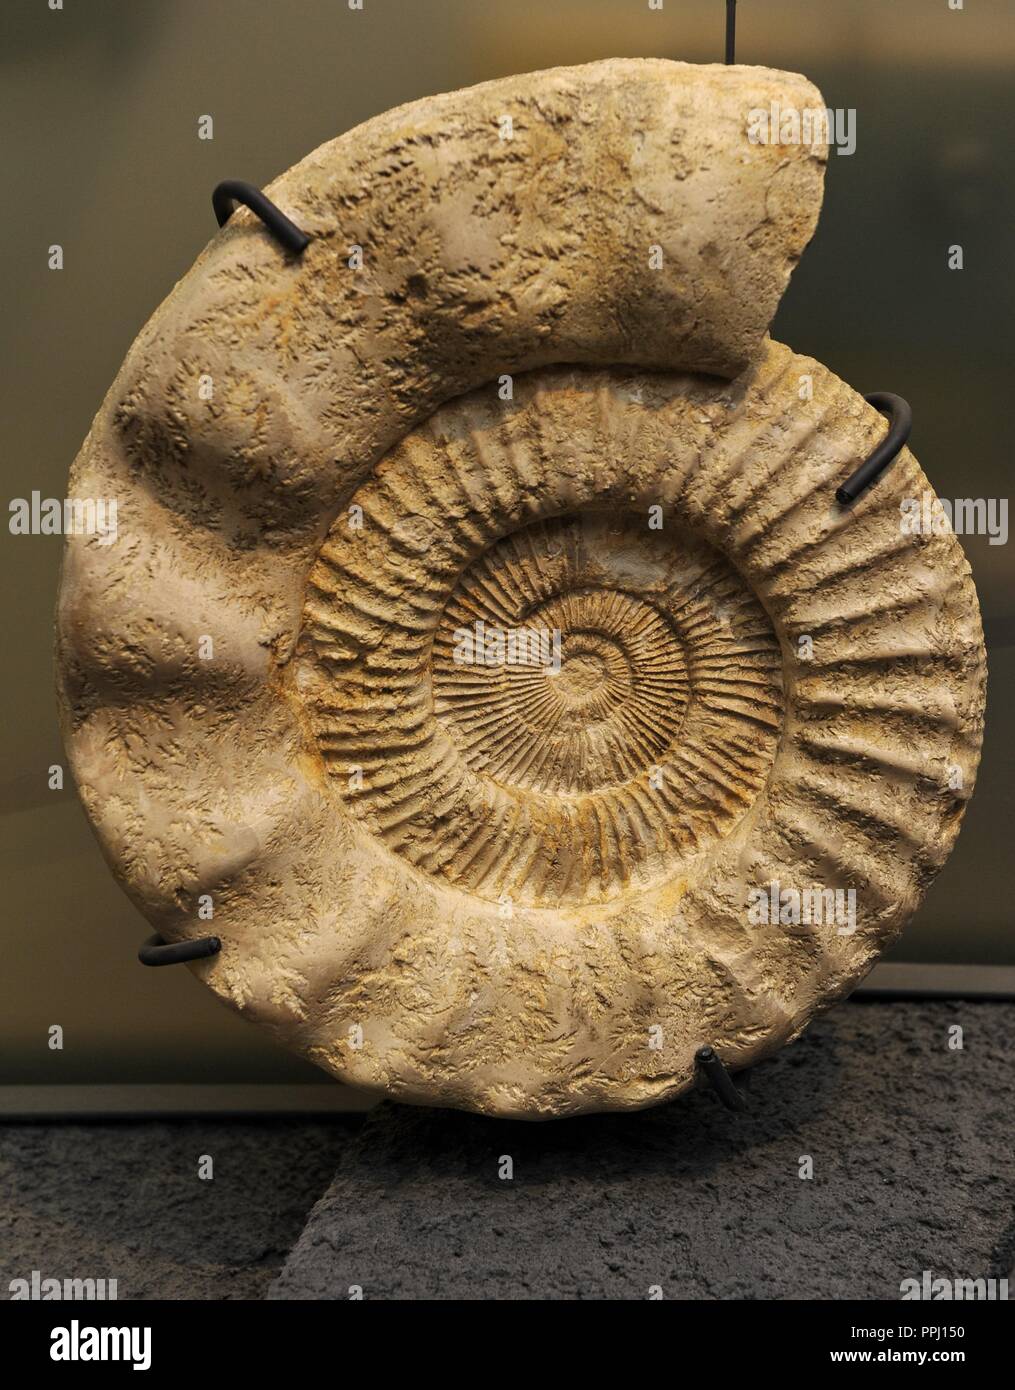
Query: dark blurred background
(100, 104)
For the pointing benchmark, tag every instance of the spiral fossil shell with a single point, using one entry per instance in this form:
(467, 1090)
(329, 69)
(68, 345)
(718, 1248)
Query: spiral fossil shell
(526, 781)
(516, 886)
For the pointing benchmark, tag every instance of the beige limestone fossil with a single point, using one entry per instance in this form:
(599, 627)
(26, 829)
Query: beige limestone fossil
(524, 887)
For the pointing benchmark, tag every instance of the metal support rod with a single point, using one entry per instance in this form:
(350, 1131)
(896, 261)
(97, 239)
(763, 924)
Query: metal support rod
(155, 951)
(233, 191)
(731, 31)
(719, 1079)
(900, 422)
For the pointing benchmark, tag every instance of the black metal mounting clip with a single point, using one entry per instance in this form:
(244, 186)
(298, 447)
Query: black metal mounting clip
(900, 422)
(719, 1079)
(155, 951)
(731, 31)
(233, 191)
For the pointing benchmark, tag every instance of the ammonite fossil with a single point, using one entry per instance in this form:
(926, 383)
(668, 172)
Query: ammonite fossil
(482, 637)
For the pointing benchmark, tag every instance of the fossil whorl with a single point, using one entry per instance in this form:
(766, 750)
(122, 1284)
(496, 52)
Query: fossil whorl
(639, 729)
(516, 885)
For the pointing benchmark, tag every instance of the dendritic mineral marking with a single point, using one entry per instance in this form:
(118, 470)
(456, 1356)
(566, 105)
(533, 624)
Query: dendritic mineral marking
(486, 645)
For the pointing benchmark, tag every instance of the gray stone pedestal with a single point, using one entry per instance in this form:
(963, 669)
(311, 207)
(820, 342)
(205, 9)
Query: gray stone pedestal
(910, 1142)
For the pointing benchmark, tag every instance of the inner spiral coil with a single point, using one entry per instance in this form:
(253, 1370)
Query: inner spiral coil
(544, 710)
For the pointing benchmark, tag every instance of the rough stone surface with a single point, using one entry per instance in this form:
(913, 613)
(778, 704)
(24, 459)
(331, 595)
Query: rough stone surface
(123, 1201)
(912, 1170)
(911, 1146)
(508, 890)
